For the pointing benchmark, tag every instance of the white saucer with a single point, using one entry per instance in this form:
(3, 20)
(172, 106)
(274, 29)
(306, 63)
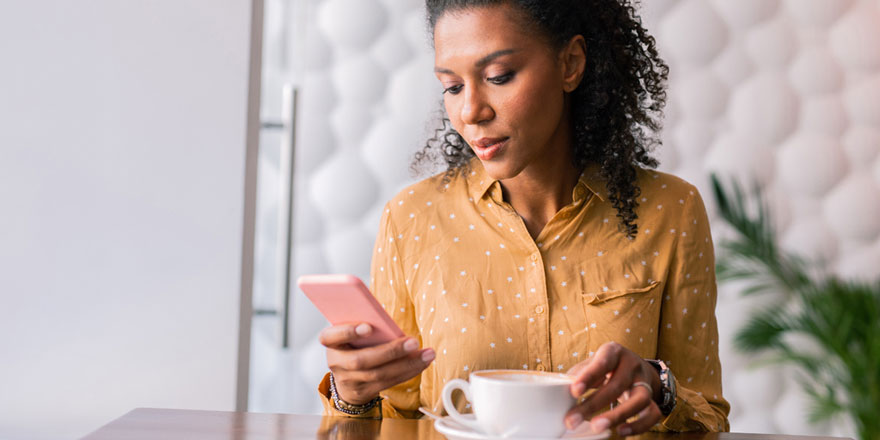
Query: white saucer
(456, 431)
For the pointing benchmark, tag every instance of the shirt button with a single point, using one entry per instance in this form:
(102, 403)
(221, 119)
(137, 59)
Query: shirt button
(535, 256)
(541, 367)
(539, 309)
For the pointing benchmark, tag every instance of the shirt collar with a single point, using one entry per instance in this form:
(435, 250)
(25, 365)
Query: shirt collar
(591, 179)
(479, 182)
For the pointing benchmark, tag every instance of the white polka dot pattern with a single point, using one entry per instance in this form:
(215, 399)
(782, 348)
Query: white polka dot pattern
(467, 301)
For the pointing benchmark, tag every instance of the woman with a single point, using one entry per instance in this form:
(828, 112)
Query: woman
(547, 244)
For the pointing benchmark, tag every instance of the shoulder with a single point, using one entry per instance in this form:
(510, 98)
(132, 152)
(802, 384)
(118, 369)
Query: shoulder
(426, 195)
(427, 191)
(667, 200)
(664, 186)
(667, 193)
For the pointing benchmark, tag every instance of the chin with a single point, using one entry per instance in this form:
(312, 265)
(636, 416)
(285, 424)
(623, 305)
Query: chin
(500, 169)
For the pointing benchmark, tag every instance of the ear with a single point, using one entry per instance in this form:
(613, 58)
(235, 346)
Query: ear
(573, 59)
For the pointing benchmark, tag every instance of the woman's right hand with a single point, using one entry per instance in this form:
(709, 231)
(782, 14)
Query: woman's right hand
(360, 373)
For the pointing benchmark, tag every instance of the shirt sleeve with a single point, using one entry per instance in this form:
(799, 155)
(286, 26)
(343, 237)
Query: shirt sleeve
(688, 336)
(389, 285)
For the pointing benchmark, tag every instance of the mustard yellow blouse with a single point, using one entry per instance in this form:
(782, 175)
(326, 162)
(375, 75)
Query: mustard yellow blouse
(455, 267)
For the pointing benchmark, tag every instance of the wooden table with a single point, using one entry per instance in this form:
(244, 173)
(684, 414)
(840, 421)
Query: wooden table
(173, 424)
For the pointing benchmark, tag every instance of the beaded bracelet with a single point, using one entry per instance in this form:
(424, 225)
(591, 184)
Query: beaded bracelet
(348, 408)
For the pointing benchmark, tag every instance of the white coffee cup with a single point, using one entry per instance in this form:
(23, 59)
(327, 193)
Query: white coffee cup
(515, 403)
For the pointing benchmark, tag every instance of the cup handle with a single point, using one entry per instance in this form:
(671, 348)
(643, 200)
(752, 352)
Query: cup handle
(464, 386)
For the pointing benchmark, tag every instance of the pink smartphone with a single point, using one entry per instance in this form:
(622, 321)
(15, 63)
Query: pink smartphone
(345, 299)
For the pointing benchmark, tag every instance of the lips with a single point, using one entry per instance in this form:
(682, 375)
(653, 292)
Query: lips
(487, 148)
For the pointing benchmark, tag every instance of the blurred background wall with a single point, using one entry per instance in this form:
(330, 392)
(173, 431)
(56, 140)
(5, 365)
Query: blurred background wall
(124, 137)
(784, 92)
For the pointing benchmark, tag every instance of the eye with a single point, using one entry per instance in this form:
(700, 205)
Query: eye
(501, 79)
(453, 90)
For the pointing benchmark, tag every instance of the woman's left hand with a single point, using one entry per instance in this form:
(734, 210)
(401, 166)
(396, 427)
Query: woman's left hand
(618, 374)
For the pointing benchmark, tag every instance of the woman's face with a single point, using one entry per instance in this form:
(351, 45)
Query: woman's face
(504, 89)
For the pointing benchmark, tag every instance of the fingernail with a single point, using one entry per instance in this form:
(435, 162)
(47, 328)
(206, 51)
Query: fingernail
(428, 356)
(363, 329)
(625, 430)
(411, 345)
(574, 420)
(600, 425)
(579, 388)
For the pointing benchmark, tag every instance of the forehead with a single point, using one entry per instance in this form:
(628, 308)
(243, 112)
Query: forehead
(464, 34)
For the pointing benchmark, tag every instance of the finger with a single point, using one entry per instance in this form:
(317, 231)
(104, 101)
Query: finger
(578, 368)
(593, 374)
(611, 389)
(371, 357)
(648, 417)
(339, 335)
(614, 385)
(577, 388)
(397, 371)
(639, 399)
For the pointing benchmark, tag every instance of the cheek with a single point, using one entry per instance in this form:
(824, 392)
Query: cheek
(535, 109)
(452, 113)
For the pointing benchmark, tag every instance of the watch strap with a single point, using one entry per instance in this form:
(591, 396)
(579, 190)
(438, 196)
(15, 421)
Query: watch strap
(667, 386)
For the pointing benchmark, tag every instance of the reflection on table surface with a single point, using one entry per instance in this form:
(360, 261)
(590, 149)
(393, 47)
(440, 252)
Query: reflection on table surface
(172, 424)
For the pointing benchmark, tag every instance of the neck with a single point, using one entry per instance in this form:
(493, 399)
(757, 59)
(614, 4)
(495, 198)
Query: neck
(545, 186)
(537, 194)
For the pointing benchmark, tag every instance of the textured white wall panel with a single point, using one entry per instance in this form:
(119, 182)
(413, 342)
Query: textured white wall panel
(765, 108)
(853, 209)
(862, 102)
(823, 114)
(743, 14)
(693, 32)
(733, 65)
(352, 24)
(702, 96)
(815, 177)
(815, 71)
(818, 13)
(862, 145)
(853, 36)
(772, 45)
(738, 155)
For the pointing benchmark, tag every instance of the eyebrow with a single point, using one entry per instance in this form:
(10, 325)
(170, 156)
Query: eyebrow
(482, 61)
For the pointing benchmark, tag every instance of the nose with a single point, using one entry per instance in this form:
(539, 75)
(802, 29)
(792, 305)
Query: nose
(476, 108)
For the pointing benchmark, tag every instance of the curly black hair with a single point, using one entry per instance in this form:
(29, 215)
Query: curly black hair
(617, 108)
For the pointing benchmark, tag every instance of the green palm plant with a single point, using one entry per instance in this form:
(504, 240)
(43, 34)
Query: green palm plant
(839, 368)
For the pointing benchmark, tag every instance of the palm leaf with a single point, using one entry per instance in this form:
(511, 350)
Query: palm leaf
(841, 317)
(762, 332)
(756, 242)
(824, 404)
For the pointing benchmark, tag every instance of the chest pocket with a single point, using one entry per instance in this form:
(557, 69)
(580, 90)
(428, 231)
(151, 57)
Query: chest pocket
(627, 314)
(602, 295)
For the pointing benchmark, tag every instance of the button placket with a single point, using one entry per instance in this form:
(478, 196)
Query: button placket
(539, 331)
